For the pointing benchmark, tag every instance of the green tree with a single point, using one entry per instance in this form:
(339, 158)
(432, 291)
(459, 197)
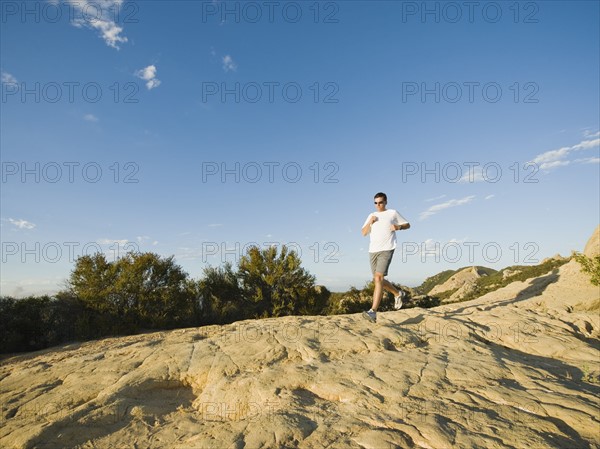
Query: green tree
(139, 289)
(274, 283)
(154, 290)
(222, 297)
(93, 281)
(21, 323)
(37, 322)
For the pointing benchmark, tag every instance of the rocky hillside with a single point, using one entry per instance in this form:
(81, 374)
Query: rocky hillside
(516, 368)
(462, 282)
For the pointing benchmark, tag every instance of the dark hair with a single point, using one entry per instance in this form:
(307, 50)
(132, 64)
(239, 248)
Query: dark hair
(381, 195)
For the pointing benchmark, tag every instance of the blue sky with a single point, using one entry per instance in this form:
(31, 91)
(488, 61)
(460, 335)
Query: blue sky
(195, 129)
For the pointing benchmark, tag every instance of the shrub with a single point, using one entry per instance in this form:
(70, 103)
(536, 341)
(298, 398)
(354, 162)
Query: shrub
(276, 284)
(590, 265)
(36, 322)
(222, 299)
(139, 290)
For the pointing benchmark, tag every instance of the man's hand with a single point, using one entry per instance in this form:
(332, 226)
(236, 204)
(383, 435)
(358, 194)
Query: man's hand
(367, 228)
(393, 227)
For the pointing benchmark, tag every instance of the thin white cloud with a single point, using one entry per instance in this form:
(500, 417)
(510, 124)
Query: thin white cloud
(99, 15)
(588, 160)
(185, 253)
(558, 158)
(433, 248)
(26, 287)
(489, 197)
(473, 174)
(7, 78)
(229, 64)
(121, 242)
(144, 238)
(436, 198)
(148, 74)
(553, 164)
(22, 224)
(442, 206)
(90, 118)
(590, 135)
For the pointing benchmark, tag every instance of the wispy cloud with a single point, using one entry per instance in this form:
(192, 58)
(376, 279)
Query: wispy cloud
(30, 286)
(545, 161)
(558, 158)
(428, 200)
(121, 242)
(7, 78)
(473, 174)
(99, 15)
(148, 74)
(229, 64)
(489, 197)
(90, 118)
(145, 239)
(590, 135)
(588, 160)
(442, 206)
(22, 224)
(434, 248)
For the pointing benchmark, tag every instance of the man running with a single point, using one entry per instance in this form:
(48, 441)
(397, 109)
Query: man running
(381, 227)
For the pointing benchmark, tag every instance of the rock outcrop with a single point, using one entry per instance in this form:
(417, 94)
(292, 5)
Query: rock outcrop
(592, 247)
(466, 276)
(516, 368)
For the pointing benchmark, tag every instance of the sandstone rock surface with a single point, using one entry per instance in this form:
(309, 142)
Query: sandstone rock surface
(592, 247)
(465, 277)
(517, 368)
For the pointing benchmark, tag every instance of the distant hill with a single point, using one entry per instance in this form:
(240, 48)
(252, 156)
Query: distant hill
(471, 282)
(435, 281)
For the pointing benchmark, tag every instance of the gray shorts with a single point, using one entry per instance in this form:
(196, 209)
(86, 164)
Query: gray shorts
(380, 261)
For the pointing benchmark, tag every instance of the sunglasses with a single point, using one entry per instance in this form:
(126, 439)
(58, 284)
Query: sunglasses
(379, 202)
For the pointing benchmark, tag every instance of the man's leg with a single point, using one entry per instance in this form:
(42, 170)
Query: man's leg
(378, 280)
(390, 287)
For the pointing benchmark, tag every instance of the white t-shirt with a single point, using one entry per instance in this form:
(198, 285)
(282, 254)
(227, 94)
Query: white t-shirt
(382, 237)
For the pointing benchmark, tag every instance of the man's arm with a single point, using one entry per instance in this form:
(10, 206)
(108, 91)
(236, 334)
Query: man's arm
(367, 228)
(400, 227)
(404, 224)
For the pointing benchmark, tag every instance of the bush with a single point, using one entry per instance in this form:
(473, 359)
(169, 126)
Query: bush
(590, 265)
(33, 323)
(352, 301)
(426, 301)
(145, 291)
(276, 284)
(139, 290)
(222, 299)
(20, 321)
(355, 300)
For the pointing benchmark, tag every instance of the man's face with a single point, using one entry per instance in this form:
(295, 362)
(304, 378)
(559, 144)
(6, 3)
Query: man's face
(380, 204)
